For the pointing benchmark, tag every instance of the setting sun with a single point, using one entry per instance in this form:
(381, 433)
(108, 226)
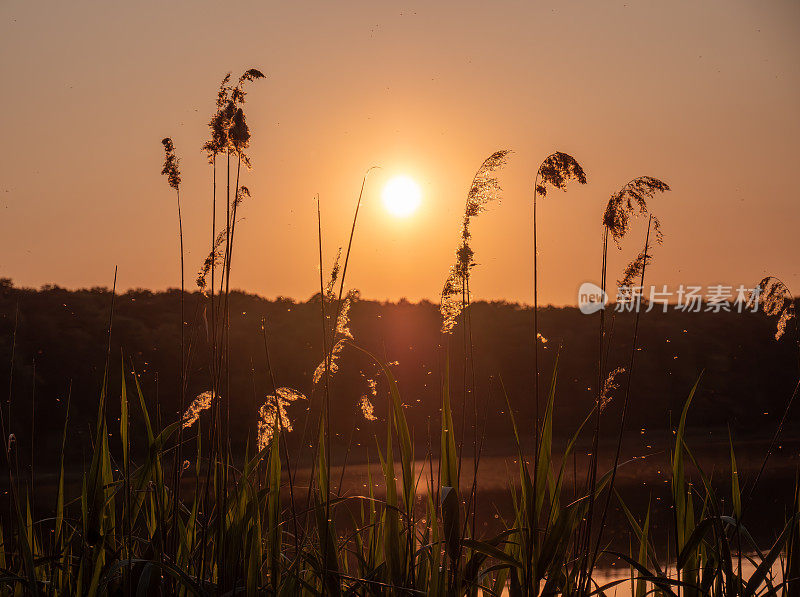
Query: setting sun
(401, 196)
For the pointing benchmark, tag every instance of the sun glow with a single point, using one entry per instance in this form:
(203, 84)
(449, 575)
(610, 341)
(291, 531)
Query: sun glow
(401, 196)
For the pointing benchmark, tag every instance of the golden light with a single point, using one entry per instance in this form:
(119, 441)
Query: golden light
(401, 196)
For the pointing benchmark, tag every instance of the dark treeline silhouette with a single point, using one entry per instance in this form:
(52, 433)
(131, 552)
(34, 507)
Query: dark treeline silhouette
(61, 343)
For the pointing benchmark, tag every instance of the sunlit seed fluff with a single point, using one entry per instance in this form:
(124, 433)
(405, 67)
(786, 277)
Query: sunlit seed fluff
(214, 258)
(450, 305)
(289, 395)
(341, 333)
(775, 298)
(333, 366)
(272, 415)
(343, 321)
(367, 409)
(541, 338)
(484, 189)
(198, 405)
(609, 386)
(334, 275)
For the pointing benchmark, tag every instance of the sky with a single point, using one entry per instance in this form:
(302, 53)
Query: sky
(703, 95)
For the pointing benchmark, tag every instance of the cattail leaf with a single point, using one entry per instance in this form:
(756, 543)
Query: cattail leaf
(451, 522)
(123, 418)
(792, 573)
(546, 445)
(273, 510)
(736, 494)
(765, 566)
(60, 491)
(678, 476)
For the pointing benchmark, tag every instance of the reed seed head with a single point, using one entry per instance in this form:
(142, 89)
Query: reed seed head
(631, 200)
(334, 275)
(484, 189)
(776, 299)
(198, 405)
(609, 386)
(634, 270)
(367, 409)
(228, 125)
(240, 195)
(171, 163)
(239, 132)
(556, 170)
(214, 258)
(272, 415)
(341, 334)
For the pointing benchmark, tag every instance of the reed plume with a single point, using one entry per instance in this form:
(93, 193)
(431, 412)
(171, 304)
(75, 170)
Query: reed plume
(556, 170)
(341, 334)
(775, 299)
(228, 125)
(219, 123)
(365, 403)
(629, 201)
(240, 196)
(198, 405)
(272, 415)
(634, 269)
(484, 189)
(171, 164)
(334, 275)
(215, 257)
(367, 408)
(609, 386)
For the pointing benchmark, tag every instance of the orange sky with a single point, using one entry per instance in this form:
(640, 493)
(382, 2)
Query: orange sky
(703, 95)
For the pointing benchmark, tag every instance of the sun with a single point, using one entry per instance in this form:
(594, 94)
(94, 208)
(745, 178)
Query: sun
(401, 196)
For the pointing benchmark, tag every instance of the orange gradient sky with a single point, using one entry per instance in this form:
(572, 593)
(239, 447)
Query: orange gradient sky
(704, 95)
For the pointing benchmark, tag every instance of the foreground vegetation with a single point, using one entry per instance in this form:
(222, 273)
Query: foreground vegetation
(143, 524)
